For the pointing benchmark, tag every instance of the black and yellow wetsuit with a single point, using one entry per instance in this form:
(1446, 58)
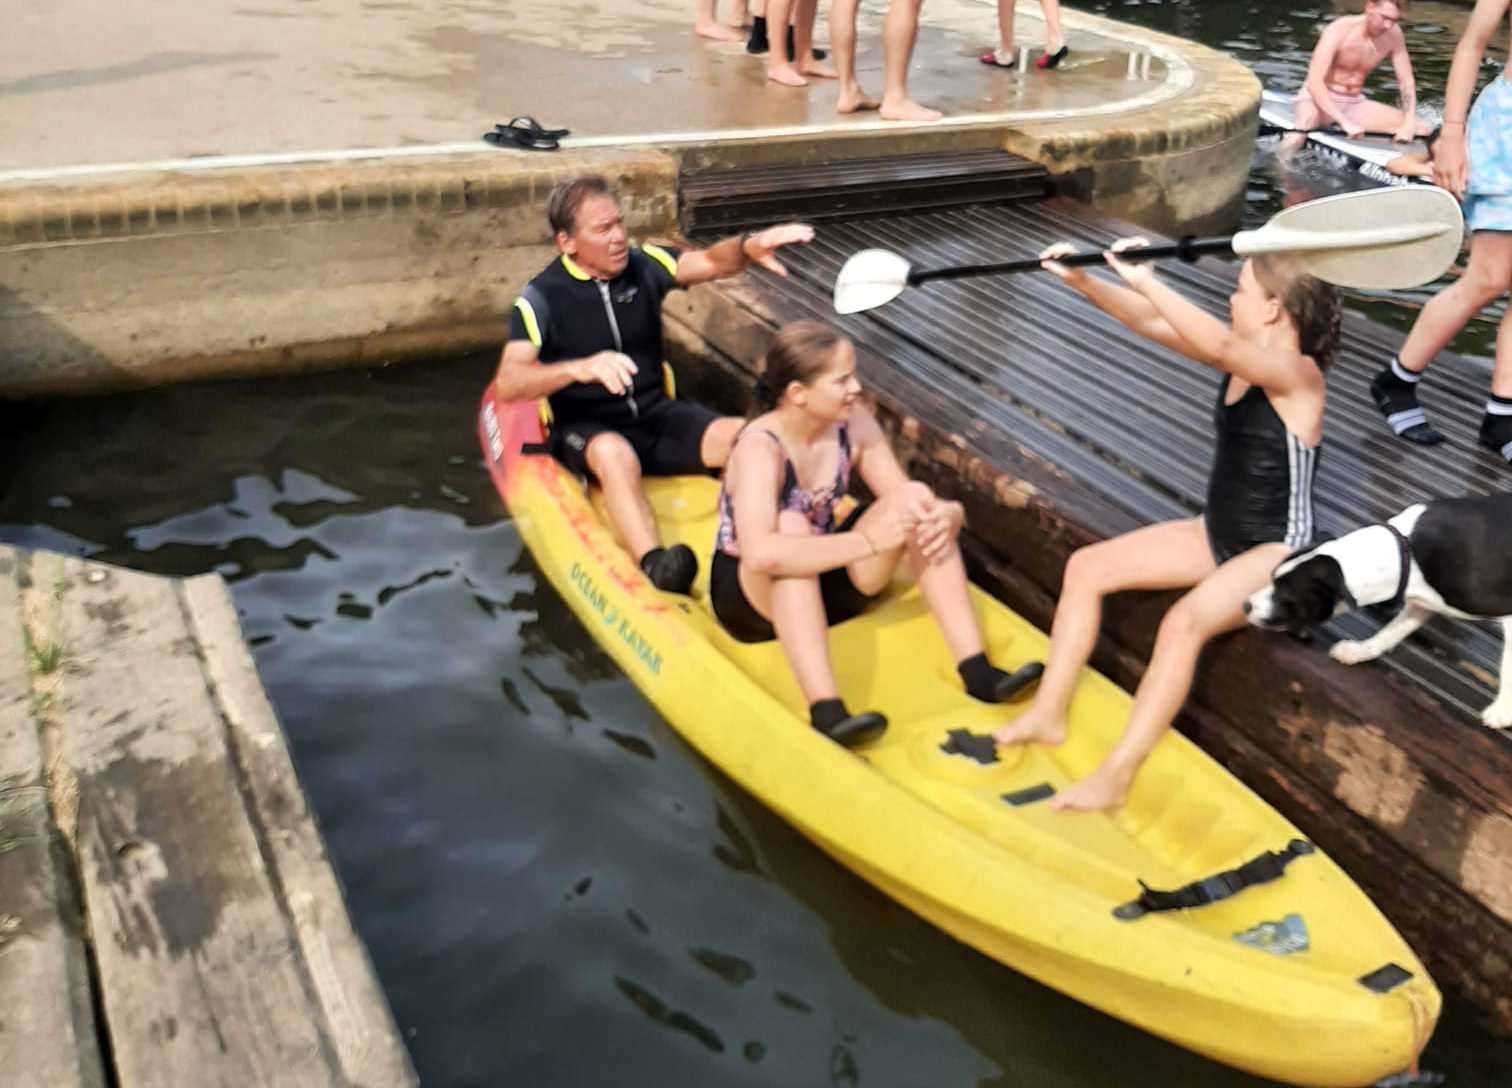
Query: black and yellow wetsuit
(567, 314)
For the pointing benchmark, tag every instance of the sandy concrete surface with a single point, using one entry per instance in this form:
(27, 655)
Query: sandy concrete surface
(95, 82)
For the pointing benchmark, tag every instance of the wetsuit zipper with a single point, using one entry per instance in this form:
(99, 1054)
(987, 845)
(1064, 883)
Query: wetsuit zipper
(619, 345)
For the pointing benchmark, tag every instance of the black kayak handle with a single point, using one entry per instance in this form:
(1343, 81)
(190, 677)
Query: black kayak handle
(1268, 866)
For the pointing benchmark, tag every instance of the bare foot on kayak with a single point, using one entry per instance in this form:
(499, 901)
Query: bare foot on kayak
(787, 75)
(854, 100)
(1033, 726)
(1103, 789)
(717, 32)
(908, 110)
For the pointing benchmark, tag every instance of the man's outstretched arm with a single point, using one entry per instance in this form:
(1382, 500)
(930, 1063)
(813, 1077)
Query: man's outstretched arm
(734, 255)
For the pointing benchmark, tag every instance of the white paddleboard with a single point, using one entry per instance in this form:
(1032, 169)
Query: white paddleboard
(1369, 154)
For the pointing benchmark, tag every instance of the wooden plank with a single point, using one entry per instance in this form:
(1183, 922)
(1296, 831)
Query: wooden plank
(363, 1033)
(200, 974)
(47, 1032)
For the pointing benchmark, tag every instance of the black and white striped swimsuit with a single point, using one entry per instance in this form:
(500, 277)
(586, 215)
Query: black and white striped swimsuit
(1260, 489)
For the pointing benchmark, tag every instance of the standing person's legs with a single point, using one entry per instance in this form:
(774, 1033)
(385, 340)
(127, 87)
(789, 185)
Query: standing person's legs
(1171, 555)
(1214, 607)
(707, 25)
(804, 13)
(1002, 55)
(1487, 277)
(780, 67)
(1055, 40)
(900, 30)
(1496, 427)
(842, 21)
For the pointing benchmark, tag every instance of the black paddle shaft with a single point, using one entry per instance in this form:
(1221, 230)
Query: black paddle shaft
(1188, 249)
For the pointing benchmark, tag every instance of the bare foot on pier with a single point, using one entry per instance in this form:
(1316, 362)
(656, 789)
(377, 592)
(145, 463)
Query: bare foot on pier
(854, 100)
(717, 32)
(908, 110)
(787, 75)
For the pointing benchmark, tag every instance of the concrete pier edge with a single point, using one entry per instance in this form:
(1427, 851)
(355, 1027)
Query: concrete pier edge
(121, 276)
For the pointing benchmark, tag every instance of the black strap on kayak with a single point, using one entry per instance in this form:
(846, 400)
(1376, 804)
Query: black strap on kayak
(1269, 866)
(530, 449)
(977, 746)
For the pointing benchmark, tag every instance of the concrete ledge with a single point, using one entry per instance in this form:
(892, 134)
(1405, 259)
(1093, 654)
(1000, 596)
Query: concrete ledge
(138, 281)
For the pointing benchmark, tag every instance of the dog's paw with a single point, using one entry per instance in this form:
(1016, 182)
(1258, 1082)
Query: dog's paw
(1349, 652)
(1499, 714)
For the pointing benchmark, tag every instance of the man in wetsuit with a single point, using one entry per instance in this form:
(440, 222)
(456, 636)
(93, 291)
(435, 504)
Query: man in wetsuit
(1348, 50)
(586, 334)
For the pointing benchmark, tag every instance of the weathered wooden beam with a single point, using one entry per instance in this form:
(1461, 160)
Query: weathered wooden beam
(198, 863)
(47, 1028)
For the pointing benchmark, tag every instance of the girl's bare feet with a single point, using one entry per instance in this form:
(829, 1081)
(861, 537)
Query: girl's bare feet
(854, 100)
(1033, 726)
(717, 32)
(1105, 788)
(817, 69)
(908, 110)
(787, 75)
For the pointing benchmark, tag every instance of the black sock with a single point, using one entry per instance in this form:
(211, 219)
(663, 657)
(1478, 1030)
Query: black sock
(981, 677)
(757, 42)
(1496, 428)
(827, 713)
(1395, 393)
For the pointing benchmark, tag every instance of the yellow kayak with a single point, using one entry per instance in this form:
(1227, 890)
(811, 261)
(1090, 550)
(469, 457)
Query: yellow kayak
(1298, 978)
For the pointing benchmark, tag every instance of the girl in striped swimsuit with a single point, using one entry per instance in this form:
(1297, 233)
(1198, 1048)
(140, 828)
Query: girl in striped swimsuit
(1269, 419)
(783, 568)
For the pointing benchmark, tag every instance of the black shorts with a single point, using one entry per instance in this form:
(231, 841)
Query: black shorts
(668, 438)
(737, 615)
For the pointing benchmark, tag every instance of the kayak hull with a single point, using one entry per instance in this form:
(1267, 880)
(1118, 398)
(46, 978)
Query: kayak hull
(1031, 888)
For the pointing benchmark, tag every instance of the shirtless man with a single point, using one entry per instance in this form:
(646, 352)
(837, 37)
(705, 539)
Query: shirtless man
(900, 31)
(1347, 52)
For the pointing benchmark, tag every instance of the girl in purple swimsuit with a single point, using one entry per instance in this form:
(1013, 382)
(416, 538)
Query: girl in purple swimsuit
(783, 568)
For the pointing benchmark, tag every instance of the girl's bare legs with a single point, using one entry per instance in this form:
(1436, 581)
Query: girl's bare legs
(1487, 277)
(707, 25)
(842, 19)
(804, 12)
(796, 610)
(1214, 607)
(780, 68)
(1171, 555)
(900, 30)
(942, 582)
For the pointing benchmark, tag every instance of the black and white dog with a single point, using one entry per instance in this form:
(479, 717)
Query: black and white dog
(1451, 556)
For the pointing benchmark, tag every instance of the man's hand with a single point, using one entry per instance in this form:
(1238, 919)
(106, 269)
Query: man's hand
(611, 369)
(761, 247)
(1449, 166)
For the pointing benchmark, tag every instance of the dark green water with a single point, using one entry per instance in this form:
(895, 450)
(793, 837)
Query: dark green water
(554, 889)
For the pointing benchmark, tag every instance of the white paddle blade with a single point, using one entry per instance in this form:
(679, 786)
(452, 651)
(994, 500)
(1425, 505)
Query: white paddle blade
(871, 278)
(1376, 240)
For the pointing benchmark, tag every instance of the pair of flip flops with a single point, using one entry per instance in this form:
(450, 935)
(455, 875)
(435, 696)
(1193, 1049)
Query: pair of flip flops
(527, 133)
(1047, 60)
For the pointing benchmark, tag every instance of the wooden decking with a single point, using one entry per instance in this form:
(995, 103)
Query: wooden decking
(168, 915)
